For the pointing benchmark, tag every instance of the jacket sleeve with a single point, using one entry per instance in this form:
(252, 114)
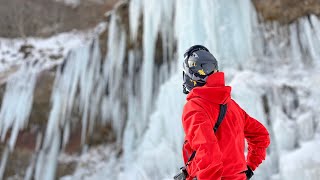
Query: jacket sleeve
(199, 132)
(258, 140)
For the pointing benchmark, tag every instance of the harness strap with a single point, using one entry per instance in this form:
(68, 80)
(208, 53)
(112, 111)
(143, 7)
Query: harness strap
(222, 113)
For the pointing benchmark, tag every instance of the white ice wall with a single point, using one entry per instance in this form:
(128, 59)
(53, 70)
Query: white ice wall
(272, 56)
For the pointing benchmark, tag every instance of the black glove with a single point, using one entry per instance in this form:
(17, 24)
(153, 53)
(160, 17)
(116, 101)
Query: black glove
(182, 175)
(249, 173)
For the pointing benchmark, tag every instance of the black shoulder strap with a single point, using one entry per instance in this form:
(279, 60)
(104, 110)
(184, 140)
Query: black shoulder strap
(222, 113)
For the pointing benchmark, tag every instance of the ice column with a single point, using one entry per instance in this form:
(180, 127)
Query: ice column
(157, 19)
(16, 107)
(113, 77)
(76, 87)
(17, 103)
(225, 27)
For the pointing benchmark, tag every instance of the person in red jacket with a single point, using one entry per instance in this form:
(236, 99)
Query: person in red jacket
(219, 155)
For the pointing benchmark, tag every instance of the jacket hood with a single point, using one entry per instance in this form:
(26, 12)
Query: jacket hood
(214, 90)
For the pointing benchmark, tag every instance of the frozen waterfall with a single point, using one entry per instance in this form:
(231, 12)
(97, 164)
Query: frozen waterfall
(273, 70)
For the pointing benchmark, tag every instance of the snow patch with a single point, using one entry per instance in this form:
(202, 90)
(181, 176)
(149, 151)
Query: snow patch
(38, 52)
(72, 3)
(97, 163)
(303, 163)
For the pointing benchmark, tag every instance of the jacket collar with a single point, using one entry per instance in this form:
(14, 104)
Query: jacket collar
(215, 80)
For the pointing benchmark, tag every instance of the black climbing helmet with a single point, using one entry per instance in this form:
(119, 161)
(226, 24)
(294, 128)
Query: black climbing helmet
(198, 64)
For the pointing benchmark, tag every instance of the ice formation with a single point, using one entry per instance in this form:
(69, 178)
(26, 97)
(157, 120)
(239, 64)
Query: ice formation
(273, 71)
(16, 107)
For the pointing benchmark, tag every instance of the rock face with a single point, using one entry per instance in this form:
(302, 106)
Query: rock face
(24, 18)
(286, 11)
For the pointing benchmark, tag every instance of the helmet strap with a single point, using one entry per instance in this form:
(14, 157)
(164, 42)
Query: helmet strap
(184, 89)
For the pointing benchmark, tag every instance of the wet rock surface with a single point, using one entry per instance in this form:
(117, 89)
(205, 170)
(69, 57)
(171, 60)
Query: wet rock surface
(286, 11)
(24, 18)
(19, 160)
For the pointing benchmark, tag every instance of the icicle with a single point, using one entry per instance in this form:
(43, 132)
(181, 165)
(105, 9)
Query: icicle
(295, 46)
(30, 169)
(90, 91)
(77, 81)
(310, 40)
(17, 103)
(135, 7)
(113, 76)
(16, 107)
(316, 25)
(4, 160)
(47, 159)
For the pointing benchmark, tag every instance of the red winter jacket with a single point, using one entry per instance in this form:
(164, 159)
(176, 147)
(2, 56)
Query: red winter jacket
(220, 155)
